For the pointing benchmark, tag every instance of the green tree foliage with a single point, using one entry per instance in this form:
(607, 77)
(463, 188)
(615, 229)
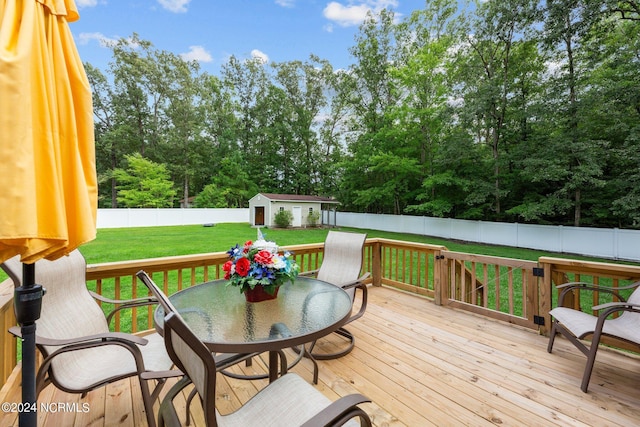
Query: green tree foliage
(211, 197)
(370, 98)
(231, 187)
(144, 184)
(506, 111)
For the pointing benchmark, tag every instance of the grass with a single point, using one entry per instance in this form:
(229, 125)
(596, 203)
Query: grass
(120, 244)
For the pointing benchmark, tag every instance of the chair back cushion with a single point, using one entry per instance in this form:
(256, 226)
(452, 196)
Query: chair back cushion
(68, 309)
(629, 321)
(342, 259)
(634, 298)
(193, 358)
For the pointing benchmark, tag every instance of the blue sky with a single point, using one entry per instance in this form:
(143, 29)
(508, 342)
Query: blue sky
(211, 30)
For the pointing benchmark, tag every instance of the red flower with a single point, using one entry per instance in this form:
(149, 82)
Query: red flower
(247, 246)
(263, 257)
(227, 266)
(242, 267)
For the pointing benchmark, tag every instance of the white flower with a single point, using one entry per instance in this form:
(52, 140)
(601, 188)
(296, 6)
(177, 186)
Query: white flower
(279, 263)
(266, 246)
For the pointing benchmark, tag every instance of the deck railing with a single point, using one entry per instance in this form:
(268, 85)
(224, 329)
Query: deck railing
(507, 289)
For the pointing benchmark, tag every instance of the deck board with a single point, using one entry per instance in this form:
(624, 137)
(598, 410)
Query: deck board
(422, 365)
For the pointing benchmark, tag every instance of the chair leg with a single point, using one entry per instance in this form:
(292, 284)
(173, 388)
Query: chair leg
(552, 336)
(193, 394)
(591, 359)
(167, 414)
(147, 401)
(590, 351)
(303, 352)
(351, 343)
(283, 369)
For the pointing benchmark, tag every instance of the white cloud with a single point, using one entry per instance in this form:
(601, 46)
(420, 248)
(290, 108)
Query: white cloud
(255, 53)
(346, 16)
(196, 53)
(86, 3)
(103, 41)
(286, 3)
(354, 13)
(177, 6)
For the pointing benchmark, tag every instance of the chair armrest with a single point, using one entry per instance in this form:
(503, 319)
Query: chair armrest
(159, 375)
(570, 286)
(144, 300)
(308, 273)
(340, 411)
(611, 307)
(123, 304)
(356, 282)
(110, 336)
(593, 286)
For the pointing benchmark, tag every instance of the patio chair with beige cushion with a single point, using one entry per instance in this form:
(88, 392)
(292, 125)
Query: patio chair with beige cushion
(341, 266)
(288, 401)
(577, 325)
(79, 352)
(223, 360)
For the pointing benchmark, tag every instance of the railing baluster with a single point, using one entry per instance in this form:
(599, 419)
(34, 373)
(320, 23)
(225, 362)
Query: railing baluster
(485, 291)
(497, 282)
(134, 310)
(510, 288)
(117, 295)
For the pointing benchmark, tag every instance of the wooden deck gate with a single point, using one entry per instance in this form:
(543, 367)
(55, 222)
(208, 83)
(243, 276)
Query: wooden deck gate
(501, 288)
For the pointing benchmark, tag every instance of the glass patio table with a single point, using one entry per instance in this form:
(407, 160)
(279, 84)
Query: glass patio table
(220, 317)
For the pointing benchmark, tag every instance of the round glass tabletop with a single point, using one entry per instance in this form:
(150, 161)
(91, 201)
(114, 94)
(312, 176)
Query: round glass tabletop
(220, 316)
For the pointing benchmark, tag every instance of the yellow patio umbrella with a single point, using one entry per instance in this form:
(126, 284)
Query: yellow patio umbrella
(48, 185)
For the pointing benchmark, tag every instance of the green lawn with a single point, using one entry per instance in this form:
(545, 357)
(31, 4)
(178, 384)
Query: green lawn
(119, 244)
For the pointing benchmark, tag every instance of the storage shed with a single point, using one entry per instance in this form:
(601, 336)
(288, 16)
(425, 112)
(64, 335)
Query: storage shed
(263, 208)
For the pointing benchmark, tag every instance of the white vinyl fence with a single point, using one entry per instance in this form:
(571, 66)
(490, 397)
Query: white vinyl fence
(610, 243)
(122, 218)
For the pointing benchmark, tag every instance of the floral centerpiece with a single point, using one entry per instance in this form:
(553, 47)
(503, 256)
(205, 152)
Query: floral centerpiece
(257, 265)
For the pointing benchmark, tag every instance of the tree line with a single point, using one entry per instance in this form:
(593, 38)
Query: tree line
(514, 110)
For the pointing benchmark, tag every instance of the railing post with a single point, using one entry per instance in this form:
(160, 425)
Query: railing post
(376, 263)
(545, 297)
(438, 260)
(8, 345)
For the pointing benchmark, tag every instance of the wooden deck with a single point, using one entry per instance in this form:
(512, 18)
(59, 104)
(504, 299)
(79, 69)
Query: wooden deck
(422, 365)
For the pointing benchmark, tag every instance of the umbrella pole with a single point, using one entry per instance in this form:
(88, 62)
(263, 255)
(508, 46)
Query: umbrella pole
(28, 302)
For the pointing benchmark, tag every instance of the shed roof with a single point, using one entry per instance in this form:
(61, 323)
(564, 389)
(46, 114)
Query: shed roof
(298, 198)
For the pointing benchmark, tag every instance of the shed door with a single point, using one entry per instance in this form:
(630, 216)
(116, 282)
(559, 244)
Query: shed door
(259, 216)
(297, 216)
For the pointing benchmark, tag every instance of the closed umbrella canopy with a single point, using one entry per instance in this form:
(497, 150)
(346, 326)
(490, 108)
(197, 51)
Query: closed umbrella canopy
(48, 185)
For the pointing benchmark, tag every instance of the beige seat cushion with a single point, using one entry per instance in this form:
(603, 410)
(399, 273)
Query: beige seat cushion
(278, 405)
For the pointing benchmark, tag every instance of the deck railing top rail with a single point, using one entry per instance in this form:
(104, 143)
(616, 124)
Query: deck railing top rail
(622, 271)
